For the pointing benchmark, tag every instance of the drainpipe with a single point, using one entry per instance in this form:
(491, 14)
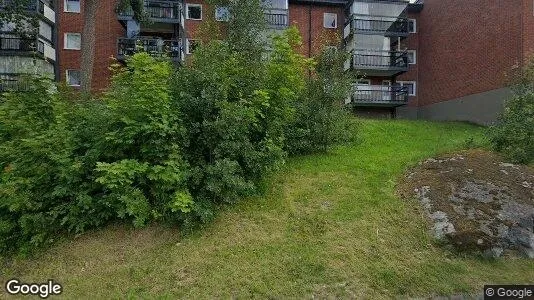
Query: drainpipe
(309, 29)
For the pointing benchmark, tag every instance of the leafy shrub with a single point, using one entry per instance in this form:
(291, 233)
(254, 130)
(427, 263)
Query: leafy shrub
(235, 116)
(513, 135)
(71, 165)
(321, 118)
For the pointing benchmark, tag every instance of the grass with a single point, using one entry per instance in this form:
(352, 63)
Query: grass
(330, 226)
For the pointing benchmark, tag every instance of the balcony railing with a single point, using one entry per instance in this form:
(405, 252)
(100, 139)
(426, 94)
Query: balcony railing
(162, 11)
(277, 18)
(376, 59)
(18, 44)
(155, 47)
(13, 84)
(34, 5)
(379, 95)
(379, 25)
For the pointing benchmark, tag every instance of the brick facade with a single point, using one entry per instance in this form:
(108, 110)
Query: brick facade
(108, 30)
(466, 48)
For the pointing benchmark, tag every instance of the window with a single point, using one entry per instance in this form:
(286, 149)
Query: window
(330, 20)
(73, 41)
(222, 14)
(410, 85)
(194, 11)
(191, 45)
(412, 25)
(72, 6)
(412, 57)
(364, 81)
(73, 78)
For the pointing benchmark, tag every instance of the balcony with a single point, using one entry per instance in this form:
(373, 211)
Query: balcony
(277, 18)
(13, 83)
(158, 11)
(43, 7)
(386, 26)
(379, 95)
(380, 63)
(21, 46)
(171, 49)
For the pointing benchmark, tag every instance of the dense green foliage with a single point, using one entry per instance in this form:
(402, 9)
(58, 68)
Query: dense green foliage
(163, 144)
(514, 134)
(321, 118)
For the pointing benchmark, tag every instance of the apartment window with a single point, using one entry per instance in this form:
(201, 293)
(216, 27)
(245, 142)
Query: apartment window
(222, 14)
(412, 57)
(73, 78)
(191, 46)
(412, 25)
(72, 6)
(194, 11)
(410, 85)
(330, 20)
(73, 41)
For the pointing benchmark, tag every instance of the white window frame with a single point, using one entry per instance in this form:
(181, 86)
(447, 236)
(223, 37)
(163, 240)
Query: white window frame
(386, 82)
(227, 18)
(187, 45)
(324, 20)
(364, 82)
(65, 38)
(414, 21)
(67, 77)
(403, 83)
(70, 11)
(414, 57)
(188, 5)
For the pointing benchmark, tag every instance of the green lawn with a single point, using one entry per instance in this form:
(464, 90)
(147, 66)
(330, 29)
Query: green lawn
(330, 225)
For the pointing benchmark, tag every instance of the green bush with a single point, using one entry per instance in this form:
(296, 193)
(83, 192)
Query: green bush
(235, 116)
(163, 144)
(513, 135)
(322, 120)
(69, 165)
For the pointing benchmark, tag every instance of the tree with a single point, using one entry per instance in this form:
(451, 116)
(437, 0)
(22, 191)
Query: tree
(89, 35)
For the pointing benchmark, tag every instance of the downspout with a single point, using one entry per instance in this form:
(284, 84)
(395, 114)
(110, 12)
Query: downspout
(56, 41)
(309, 30)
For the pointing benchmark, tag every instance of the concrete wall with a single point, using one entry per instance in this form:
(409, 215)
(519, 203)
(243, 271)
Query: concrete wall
(482, 108)
(25, 64)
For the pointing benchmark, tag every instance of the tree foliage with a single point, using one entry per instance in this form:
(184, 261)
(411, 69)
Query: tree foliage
(163, 144)
(513, 135)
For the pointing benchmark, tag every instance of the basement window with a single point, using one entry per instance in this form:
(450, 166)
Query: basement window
(72, 6)
(330, 20)
(73, 78)
(194, 11)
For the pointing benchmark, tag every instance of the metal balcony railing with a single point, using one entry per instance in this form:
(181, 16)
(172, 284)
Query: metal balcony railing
(18, 44)
(158, 9)
(34, 5)
(277, 18)
(376, 59)
(380, 94)
(155, 47)
(379, 25)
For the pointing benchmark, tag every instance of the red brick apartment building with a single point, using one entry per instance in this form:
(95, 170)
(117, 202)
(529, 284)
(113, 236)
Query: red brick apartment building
(427, 59)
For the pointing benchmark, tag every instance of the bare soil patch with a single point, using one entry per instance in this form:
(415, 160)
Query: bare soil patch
(475, 201)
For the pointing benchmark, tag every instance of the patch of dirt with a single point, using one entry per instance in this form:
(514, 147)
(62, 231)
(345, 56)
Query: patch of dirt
(476, 202)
